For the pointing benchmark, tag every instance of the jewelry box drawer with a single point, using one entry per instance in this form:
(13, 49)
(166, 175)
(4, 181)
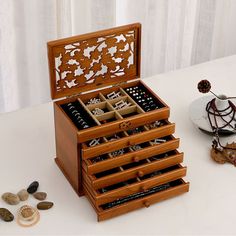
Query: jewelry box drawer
(106, 162)
(163, 192)
(132, 186)
(132, 170)
(131, 140)
(122, 125)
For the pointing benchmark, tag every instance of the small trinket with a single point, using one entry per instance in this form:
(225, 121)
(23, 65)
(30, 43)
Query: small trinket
(158, 141)
(113, 95)
(115, 137)
(98, 112)
(155, 124)
(94, 142)
(97, 159)
(94, 101)
(117, 153)
(77, 115)
(121, 104)
(136, 147)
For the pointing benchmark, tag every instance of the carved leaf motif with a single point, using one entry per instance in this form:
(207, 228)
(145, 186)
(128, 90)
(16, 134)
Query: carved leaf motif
(78, 64)
(70, 76)
(124, 63)
(95, 54)
(85, 63)
(61, 84)
(121, 45)
(111, 65)
(96, 67)
(80, 80)
(110, 42)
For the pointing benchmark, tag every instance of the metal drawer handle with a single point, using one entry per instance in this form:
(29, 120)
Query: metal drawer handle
(140, 173)
(143, 188)
(136, 159)
(146, 204)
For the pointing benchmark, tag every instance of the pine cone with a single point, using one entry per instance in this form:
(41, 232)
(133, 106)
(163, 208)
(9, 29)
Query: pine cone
(204, 86)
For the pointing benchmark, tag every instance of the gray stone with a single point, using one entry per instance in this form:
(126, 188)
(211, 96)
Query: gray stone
(33, 187)
(11, 198)
(45, 205)
(6, 215)
(23, 195)
(40, 195)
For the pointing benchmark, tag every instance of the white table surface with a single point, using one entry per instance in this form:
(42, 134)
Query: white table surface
(27, 151)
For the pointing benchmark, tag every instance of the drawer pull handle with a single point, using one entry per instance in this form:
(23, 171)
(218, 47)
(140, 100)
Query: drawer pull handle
(143, 188)
(147, 204)
(140, 173)
(135, 159)
(131, 143)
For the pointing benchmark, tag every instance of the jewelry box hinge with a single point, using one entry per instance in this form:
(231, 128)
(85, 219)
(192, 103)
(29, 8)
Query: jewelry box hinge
(73, 95)
(119, 84)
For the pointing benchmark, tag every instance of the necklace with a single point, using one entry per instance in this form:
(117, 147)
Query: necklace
(220, 153)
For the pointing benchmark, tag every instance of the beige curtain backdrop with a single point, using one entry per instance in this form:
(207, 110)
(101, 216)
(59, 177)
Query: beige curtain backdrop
(175, 34)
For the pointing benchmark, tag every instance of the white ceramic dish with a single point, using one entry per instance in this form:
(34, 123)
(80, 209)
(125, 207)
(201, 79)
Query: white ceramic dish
(198, 115)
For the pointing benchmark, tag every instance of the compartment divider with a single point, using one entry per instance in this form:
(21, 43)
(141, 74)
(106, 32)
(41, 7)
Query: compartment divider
(127, 110)
(131, 99)
(102, 97)
(104, 116)
(97, 105)
(112, 108)
(89, 112)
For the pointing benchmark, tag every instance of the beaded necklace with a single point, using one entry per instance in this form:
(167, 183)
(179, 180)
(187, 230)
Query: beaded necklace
(214, 113)
(219, 152)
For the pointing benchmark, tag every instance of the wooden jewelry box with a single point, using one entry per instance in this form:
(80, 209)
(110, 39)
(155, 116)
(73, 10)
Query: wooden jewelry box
(114, 142)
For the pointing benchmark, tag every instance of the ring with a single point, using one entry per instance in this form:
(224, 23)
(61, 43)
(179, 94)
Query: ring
(29, 215)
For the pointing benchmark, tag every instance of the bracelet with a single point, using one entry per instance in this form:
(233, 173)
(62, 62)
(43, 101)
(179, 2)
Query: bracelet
(28, 221)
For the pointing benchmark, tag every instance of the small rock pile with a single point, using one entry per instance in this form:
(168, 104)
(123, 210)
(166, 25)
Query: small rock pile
(23, 195)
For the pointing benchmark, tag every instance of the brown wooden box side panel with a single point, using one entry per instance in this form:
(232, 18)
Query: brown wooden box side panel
(66, 148)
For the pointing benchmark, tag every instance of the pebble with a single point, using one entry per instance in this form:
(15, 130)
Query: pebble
(33, 187)
(6, 215)
(23, 195)
(40, 195)
(45, 205)
(11, 198)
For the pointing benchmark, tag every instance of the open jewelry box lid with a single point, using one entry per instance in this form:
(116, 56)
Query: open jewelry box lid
(94, 60)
